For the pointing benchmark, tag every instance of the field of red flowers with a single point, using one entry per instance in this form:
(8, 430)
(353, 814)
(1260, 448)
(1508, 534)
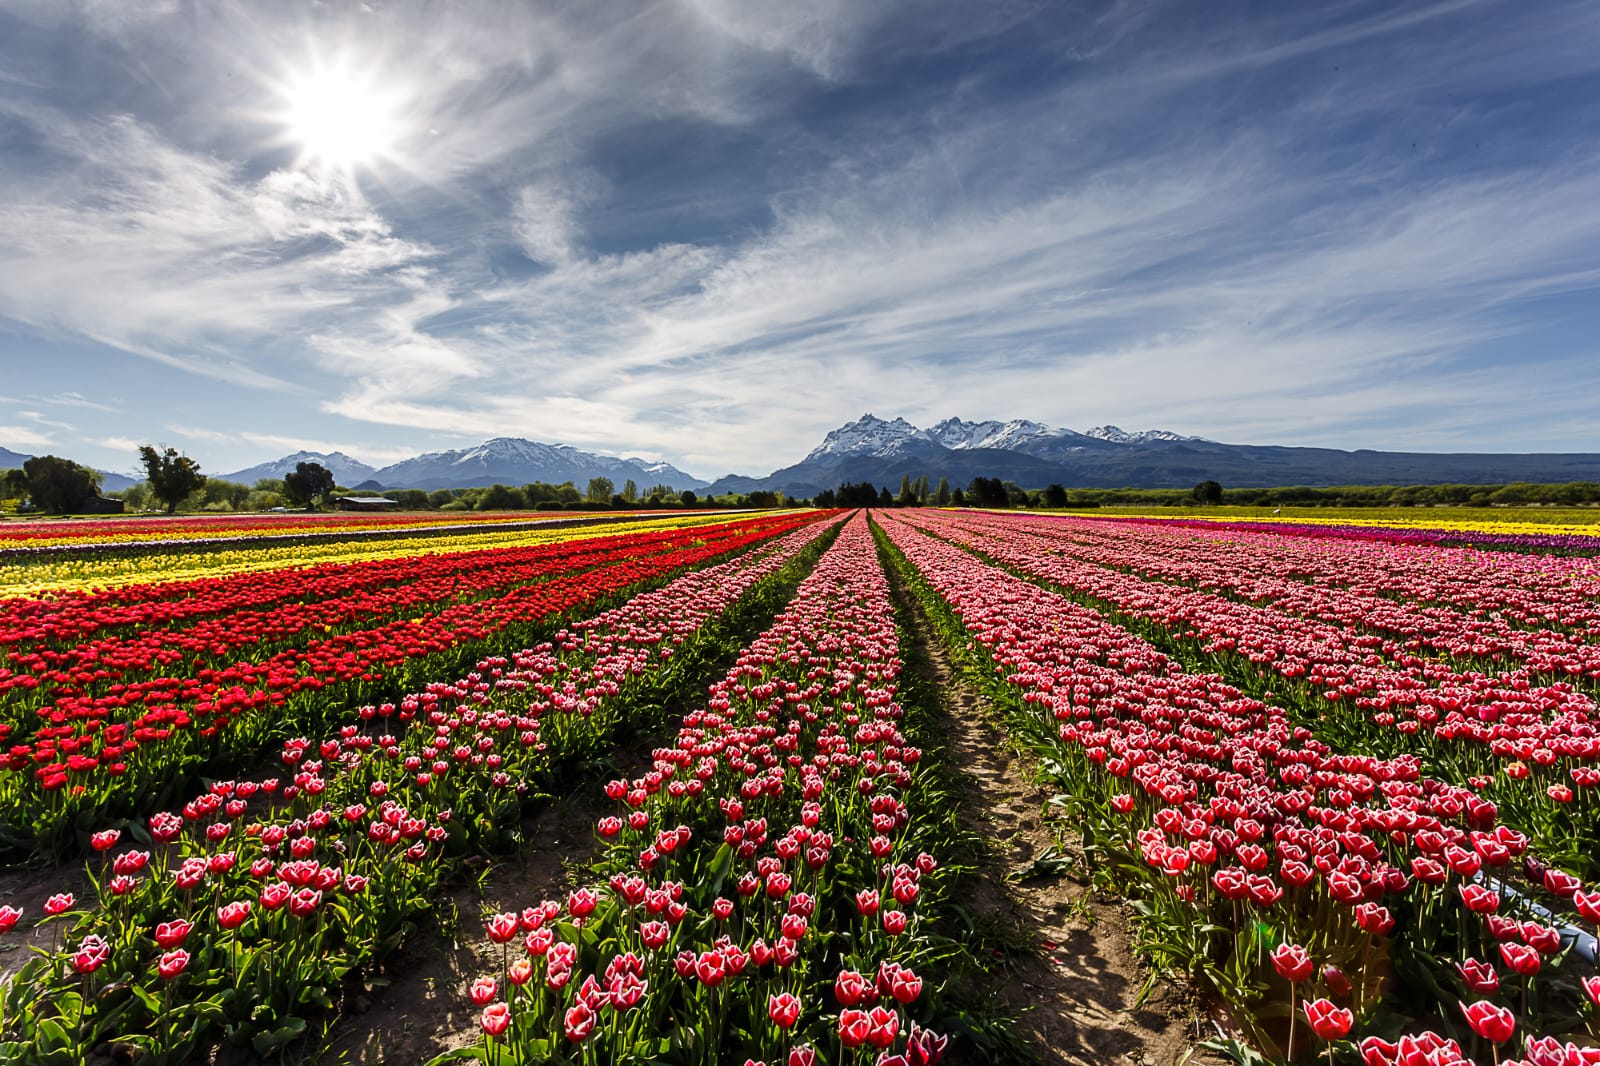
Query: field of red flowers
(1346, 788)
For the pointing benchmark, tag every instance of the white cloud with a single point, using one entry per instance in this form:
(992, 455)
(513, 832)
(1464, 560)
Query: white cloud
(24, 437)
(1126, 243)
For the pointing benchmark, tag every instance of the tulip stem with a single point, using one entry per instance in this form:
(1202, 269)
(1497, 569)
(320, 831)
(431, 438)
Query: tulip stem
(1288, 1047)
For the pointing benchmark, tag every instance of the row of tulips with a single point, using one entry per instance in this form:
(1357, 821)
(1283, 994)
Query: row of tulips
(65, 619)
(249, 912)
(1354, 590)
(1536, 743)
(107, 751)
(50, 573)
(764, 882)
(1534, 591)
(189, 527)
(1291, 878)
(1537, 538)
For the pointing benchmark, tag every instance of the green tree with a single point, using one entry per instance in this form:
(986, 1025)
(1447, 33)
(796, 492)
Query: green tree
(908, 493)
(941, 498)
(219, 495)
(1208, 492)
(630, 491)
(1055, 496)
(135, 497)
(599, 490)
(958, 498)
(499, 497)
(58, 485)
(13, 484)
(884, 499)
(988, 492)
(308, 484)
(688, 498)
(172, 476)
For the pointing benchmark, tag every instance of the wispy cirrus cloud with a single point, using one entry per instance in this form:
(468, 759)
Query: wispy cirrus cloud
(710, 231)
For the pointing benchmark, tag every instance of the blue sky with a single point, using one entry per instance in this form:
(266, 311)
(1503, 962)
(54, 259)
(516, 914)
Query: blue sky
(711, 230)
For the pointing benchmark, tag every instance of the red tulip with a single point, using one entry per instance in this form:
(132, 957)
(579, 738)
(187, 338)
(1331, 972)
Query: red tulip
(579, 1022)
(1376, 1051)
(91, 954)
(1521, 958)
(1292, 963)
(496, 1018)
(172, 964)
(854, 1026)
(503, 927)
(233, 915)
(711, 968)
(9, 917)
(1479, 900)
(1492, 1023)
(484, 989)
(852, 989)
(783, 1009)
(1480, 977)
(1327, 1020)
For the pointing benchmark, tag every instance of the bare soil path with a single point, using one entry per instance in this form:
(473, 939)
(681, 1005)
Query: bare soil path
(1066, 956)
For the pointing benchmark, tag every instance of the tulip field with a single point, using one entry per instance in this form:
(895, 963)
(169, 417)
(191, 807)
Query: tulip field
(1345, 778)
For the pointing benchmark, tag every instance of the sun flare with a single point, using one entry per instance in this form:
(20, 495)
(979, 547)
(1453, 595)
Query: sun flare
(341, 118)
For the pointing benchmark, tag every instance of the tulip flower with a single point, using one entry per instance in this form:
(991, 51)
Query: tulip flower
(1329, 1021)
(854, 1027)
(1521, 958)
(8, 918)
(502, 928)
(172, 964)
(783, 1009)
(484, 990)
(496, 1018)
(1489, 1021)
(233, 915)
(578, 1023)
(852, 989)
(1376, 1051)
(1292, 963)
(1479, 976)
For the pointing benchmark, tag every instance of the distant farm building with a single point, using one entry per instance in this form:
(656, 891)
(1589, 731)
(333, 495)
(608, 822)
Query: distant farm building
(366, 503)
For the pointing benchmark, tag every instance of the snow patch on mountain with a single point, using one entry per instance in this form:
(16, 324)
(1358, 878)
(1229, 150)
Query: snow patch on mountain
(1117, 435)
(346, 469)
(867, 435)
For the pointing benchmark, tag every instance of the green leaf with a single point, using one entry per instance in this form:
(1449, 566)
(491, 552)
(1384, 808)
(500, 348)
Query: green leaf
(276, 1038)
(52, 1036)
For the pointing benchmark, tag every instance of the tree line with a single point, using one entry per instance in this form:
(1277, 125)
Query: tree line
(174, 481)
(996, 493)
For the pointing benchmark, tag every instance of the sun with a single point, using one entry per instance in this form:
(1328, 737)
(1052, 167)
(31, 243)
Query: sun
(340, 117)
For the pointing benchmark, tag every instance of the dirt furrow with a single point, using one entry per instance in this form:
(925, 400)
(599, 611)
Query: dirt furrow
(1063, 951)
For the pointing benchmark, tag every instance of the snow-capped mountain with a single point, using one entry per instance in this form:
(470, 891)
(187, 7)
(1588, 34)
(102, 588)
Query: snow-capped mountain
(867, 435)
(514, 461)
(1121, 436)
(874, 437)
(346, 470)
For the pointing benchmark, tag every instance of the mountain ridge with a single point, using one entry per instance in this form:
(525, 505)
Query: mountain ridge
(1033, 455)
